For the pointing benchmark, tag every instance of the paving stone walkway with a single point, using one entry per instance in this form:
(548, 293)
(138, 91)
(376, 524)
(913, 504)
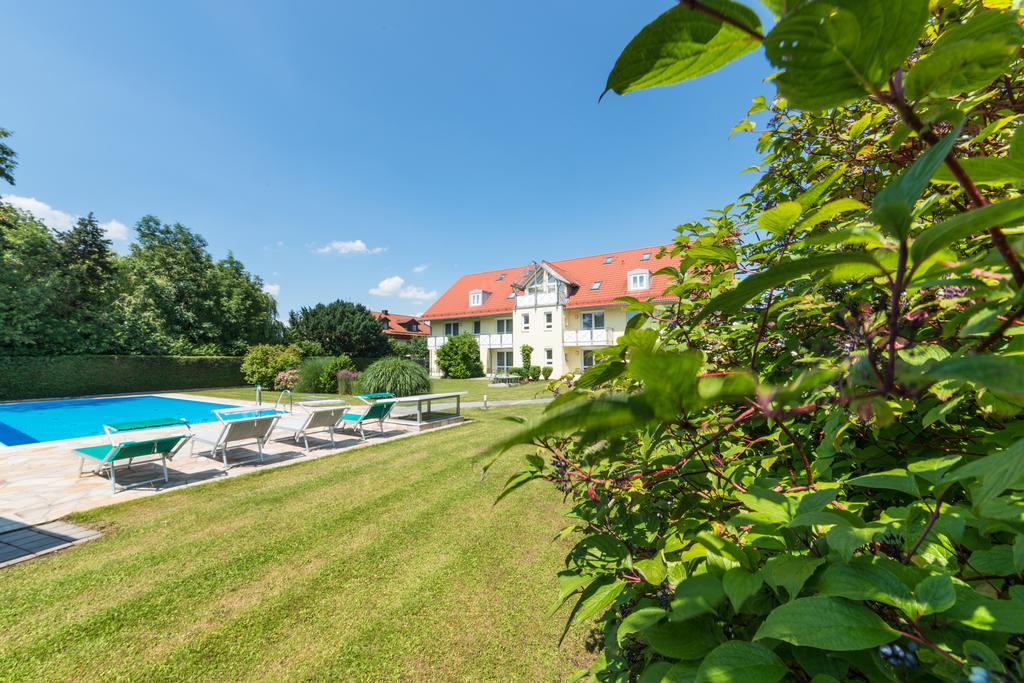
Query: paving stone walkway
(19, 542)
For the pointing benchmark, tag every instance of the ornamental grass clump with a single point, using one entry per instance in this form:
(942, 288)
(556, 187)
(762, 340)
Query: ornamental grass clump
(810, 466)
(398, 376)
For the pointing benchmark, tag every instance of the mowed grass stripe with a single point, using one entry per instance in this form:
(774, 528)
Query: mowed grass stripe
(240, 558)
(333, 559)
(99, 571)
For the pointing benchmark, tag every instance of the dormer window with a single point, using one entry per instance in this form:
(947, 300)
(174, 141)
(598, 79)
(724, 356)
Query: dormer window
(607, 260)
(476, 297)
(639, 279)
(645, 257)
(596, 286)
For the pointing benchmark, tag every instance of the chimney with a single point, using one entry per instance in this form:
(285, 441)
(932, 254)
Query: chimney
(383, 311)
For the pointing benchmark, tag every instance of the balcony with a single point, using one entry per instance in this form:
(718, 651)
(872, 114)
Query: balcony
(494, 341)
(486, 341)
(602, 336)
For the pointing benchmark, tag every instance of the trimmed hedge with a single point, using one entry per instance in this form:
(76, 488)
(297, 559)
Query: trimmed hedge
(64, 376)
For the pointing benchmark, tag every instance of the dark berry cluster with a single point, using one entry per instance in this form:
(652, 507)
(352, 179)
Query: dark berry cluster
(560, 478)
(897, 655)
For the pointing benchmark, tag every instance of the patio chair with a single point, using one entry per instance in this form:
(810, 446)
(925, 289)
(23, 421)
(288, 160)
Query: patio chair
(317, 420)
(378, 412)
(370, 399)
(109, 455)
(234, 431)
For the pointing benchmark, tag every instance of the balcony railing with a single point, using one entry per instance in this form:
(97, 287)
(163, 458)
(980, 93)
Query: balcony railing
(602, 336)
(486, 341)
(539, 299)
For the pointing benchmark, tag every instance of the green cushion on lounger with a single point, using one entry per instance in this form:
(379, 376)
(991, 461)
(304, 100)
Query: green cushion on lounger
(131, 449)
(149, 424)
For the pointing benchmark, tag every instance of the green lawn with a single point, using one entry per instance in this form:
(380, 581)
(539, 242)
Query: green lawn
(384, 563)
(476, 388)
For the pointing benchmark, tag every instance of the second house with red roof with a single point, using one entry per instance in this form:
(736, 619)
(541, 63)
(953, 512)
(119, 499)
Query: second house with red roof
(565, 310)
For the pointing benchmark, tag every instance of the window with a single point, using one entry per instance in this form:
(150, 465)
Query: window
(504, 362)
(639, 279)
(588, 359)
(512, 294)
(526, 322)
(549, 357)
(645, 257)
(476, 297)
(607, 260)
(596, 285)
(505, 326)
(592, 321)
(451, 329)
(476, 327)
(501, 277)
(549, 320)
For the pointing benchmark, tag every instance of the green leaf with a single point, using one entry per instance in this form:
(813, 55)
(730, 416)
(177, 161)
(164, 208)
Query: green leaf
(653, 570)
(682, 44)
(997, 472)
(991, 372)
(830, 211)
(690, 639)
(966, 57)
(668, 672)
(780, 274)
(597, 597)
(737, 660)
(826, 623)
(700, 594)
(1018, 553)
(781, 218)
(895, 480)
(835, 52)
(937, 237)
(790, 572)
(863, 580)
(711, 252)
(845, 540)
(985, 171)
(640, 620)
(740, 585)
(977, 611)
(893, 207)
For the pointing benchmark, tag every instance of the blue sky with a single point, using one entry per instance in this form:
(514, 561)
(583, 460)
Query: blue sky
(369, 151)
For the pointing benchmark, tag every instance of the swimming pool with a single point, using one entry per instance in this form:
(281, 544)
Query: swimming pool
(36, 421)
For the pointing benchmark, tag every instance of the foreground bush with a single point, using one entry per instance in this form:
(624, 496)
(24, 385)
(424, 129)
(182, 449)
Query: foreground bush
(459, 357)
(262, 362)
(812, 467)
(398, 376)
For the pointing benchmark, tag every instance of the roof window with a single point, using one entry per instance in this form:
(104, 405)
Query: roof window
(607, 260)
(596, 285)
(645, 257)
(501, 277)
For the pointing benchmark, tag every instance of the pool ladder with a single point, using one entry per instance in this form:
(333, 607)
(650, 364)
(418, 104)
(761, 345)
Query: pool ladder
(291, 398)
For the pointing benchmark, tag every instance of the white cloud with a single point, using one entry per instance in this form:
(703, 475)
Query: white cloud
(389, 286)
(55, 219)
(349, 247)
(395, 286)
(116, 230)
(272, 289)
(420, 269)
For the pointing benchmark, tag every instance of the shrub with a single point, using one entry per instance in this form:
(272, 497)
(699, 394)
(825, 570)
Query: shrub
(526, 355)
(810, 467)
(320, 375)
(309, 348)
(398, 376)
(286, 379)
(413, 349)
(459, 357)
(347, 381)
(546, 371)
(522, 373)
(262, 362)
(534, 373)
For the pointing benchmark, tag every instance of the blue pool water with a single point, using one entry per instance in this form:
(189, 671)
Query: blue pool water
(32, 422)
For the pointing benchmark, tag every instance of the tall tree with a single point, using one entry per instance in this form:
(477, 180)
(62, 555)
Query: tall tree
(8, 158)
(29, 268)
(341, 327)
(86, 288)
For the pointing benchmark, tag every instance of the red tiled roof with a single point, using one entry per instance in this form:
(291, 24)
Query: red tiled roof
(396, 322)
(582, 272)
